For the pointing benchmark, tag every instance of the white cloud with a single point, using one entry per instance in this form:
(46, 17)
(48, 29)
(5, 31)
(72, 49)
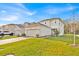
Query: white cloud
(10, 18)
(30, 13)
(3, 11)
(13, 12)
(58, 10)
(26, 10)
(70, 7)
(2, 24)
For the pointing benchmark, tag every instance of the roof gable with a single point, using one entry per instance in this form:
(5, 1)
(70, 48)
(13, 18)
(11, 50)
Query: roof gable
(52, 19)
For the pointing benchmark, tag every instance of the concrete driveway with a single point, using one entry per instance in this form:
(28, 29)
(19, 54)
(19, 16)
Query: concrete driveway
(77, 35)
(11, 40)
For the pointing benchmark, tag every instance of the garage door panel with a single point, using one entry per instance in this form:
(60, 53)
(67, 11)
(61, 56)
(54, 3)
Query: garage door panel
(33, 32)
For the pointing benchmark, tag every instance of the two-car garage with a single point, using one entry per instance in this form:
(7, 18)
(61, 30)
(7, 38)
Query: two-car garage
(35, 30)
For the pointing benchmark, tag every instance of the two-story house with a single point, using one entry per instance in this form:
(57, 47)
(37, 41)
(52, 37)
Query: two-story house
(45, 28)
(54, 24)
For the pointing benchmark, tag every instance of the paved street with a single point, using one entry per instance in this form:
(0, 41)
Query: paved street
(11, 40)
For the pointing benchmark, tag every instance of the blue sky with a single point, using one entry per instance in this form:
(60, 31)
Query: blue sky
(33, 12)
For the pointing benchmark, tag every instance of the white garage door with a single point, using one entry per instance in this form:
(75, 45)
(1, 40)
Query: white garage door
(33, 32)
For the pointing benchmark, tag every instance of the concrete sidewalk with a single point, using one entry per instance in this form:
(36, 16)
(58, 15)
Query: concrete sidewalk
(11, 40)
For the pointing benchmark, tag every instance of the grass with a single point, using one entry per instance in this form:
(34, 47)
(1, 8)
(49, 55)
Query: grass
(52, 46)
(68, 38)
(7, 37)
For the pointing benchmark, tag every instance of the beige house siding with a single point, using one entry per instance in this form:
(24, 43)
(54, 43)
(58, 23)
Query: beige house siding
(40, 30)
(55, 24)
(58, 25)
(32, 32)
(45, 31)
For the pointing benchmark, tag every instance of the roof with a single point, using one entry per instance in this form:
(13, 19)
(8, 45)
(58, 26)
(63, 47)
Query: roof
(51, 19)
(19, 25)
(36, 25)
(26, 23)
(8, 25)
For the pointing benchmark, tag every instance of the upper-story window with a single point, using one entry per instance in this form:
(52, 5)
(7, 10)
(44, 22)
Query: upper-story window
(60, 23)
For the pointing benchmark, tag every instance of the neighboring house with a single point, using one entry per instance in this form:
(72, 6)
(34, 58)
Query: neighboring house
(54, 24)
(17, 29)
(35, 29)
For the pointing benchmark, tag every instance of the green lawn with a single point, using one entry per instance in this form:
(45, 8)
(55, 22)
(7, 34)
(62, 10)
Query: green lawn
(68, 38)
(7, 37)
(52, 46)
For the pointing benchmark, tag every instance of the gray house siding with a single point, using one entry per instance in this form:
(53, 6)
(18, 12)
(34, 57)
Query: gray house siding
(13, 29)
(41, 31)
